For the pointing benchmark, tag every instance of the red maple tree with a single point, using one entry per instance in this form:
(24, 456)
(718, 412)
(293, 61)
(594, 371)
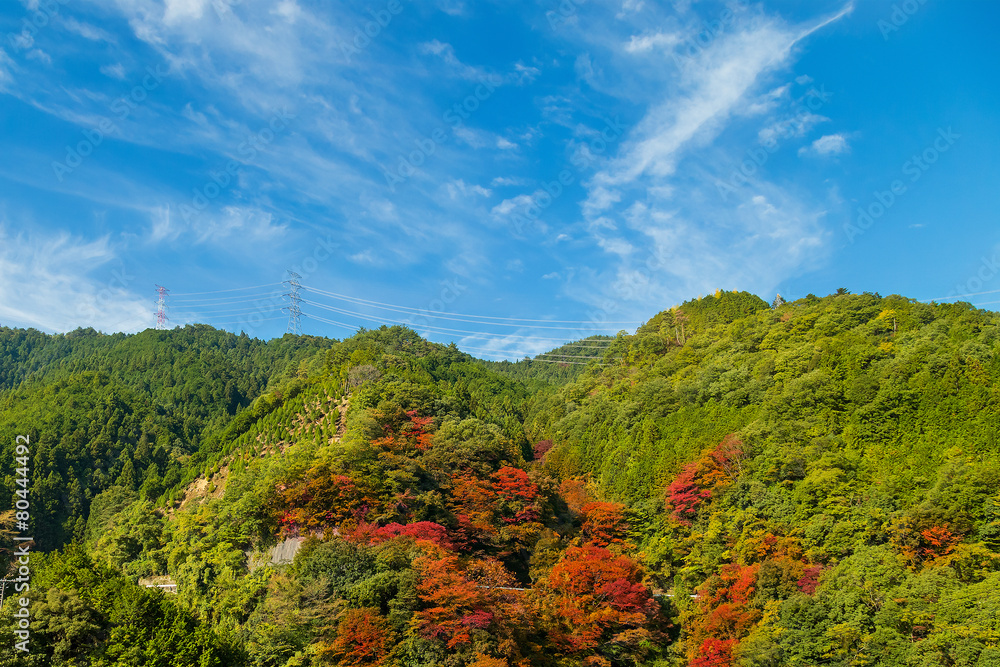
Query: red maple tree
(604, 523)
(364, 637)
(697, 481)
(594, 595)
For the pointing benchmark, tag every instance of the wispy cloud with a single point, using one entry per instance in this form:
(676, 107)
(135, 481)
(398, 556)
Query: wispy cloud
(6, 70)
(116, 71)
(830, 144)
(55, 283)
(695, 243)
(86, 30)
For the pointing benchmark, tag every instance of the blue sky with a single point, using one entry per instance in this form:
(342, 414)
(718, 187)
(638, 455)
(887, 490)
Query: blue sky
(573, 161)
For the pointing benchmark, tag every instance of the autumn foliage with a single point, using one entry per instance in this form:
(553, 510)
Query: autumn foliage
(723, 615)
(502, 510)
(322, 498)
(604, 523)
(366, 533)
(363, 638)
(541, 448)
(574, 494)
(595, 597)
(697, 481)
(454, 605)
(938, 541)
(410, 436)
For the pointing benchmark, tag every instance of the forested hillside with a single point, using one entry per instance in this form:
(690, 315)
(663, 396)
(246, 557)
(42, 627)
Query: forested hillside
(823, 475)
(814, 483)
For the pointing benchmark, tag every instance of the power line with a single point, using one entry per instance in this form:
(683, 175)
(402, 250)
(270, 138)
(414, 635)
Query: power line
(446, 315)
(959, 296)
(537, 354)
(246, 309)
(227, 300)
(548, 361)
(265, 319)
(494, 353)
(220, 291)
(333, 322)
(395, 321)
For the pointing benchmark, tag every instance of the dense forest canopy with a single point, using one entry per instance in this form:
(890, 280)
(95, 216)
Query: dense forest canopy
(736, 483)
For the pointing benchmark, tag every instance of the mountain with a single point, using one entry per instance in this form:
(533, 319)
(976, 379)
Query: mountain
(734, 484)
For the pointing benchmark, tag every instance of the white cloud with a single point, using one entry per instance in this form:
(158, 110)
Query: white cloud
(50, 284)
(586, 71)
(40, 56)
(229, 228)
(364, 257)
(505, 181)
(680, 237)
(446, 52)
(505, 144)
(600, 199)
(247, 224)
(196, 117)
(116, 71)
(475, 138)
(383, 209)
(461, 188)
(831, 144)
(517, 345)
(795, 125)
(712, 85)
(507, 206)
(617, 246)
(523, 74)
(452, 7)
(6, 66)
(649, 42)
(288, 10)
(769, 101)
(86, 30)
(161, 227)
(181, 10)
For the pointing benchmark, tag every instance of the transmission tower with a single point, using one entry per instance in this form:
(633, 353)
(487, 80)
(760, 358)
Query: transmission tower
(294, 311)
(161, 307)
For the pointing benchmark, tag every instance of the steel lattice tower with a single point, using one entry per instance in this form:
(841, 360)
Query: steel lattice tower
(294, 311)
(161, 307)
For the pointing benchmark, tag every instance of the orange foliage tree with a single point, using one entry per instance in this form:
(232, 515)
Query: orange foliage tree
(594, 598)
(574, 494)
(323, 497)
(453, 604)
(604, 524)
(503, 510)
(364, 637)
(938, 541)
(409, 437)
(723, 615)
(919, 544)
